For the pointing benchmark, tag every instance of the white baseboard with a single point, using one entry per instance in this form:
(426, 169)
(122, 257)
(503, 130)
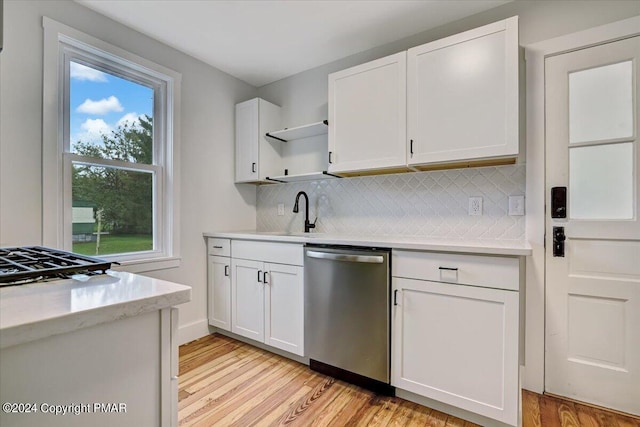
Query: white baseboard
(193, 331)
(299, 359)
(448, 409)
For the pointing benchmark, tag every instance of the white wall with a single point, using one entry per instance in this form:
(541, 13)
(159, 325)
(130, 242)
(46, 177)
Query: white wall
(303, 99)
(209, 199)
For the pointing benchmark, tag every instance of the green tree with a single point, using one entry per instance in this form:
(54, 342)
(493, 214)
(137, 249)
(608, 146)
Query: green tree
(125, 196)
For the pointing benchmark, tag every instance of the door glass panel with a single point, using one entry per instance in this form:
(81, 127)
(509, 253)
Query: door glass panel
(601, 103)
(601, 181)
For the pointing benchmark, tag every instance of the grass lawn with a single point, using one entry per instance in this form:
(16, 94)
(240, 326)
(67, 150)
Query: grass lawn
(114, 244)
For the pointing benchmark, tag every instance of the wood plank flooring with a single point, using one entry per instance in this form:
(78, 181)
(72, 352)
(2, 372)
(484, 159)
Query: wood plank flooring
(224, 382)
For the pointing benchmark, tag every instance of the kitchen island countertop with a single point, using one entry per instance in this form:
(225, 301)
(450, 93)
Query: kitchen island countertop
(479, 246)
(39, 310)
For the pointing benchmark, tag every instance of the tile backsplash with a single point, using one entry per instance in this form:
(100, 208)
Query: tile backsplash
(433, 204)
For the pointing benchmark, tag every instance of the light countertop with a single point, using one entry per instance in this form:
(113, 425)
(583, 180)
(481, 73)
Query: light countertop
(38, 310)
(483, 246)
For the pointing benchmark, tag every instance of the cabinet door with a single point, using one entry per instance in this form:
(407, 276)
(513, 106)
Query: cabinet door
(284, 308)
(219, 287)
(367, 115)
(247, 128)
(458, 345)
(463, 96)
(247, 299)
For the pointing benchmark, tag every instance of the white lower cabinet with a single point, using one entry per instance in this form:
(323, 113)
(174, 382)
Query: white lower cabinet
(267, 298)
(455, 343)
(132, 361)
(283, 307)
(219, 284)
(247, 299)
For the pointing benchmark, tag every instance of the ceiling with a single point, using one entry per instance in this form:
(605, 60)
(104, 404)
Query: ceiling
(260, 42)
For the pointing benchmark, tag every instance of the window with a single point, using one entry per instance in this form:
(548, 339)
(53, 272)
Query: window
(108, 152)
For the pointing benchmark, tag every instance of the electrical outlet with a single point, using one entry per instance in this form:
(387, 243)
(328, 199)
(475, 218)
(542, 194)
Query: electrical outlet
(280, 209)
(475, 206)
(516, 205)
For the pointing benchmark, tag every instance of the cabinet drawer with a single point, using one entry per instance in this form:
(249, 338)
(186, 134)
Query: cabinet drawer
(280, 253)
(487, 271)
(220, 247)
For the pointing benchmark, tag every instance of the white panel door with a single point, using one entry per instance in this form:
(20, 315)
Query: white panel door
(284, 308)
(593, 289)
(367, 115)
(458, 345)
(247, 127)
(219, 289)
(462, 96)
(247, 299)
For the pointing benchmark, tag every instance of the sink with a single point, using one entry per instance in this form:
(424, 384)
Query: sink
(308, 235)
(290, 233)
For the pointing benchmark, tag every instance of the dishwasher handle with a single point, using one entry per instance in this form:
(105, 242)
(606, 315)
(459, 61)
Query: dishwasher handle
(372, 259)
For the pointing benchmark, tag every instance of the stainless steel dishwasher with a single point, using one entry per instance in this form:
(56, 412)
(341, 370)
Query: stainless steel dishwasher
(347, 303)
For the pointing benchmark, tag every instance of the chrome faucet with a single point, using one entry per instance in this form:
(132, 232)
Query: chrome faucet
(307, 224)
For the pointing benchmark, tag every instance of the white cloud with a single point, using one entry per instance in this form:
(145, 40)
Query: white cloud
(91, 131)
(82, 73)
(102, 107)
(130, 118)
(95, 127)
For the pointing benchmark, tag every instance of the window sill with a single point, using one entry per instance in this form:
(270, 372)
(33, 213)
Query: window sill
(144, 265)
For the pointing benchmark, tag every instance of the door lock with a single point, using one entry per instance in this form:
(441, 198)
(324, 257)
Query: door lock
(558, 241)
(559, 202)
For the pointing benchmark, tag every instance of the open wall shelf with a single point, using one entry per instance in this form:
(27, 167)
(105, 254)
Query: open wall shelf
(300, 132)
(311, 176)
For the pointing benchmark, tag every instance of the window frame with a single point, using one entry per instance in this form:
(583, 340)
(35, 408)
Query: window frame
(63, 44)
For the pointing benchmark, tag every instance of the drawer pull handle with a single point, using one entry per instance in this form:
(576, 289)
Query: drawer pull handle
(264, 276)
(226, 270)
(259, 276)
(395, 297)
(448, 268)
(217, 247)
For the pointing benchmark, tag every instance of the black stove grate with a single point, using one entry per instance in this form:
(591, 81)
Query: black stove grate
(32, 263)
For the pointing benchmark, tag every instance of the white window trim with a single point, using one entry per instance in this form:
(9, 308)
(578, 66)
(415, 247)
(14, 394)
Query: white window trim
(56, 36)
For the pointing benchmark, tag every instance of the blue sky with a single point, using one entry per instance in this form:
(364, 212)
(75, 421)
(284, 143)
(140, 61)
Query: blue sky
(100, 102)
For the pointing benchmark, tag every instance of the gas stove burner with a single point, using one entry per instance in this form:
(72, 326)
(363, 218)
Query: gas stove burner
(20, 265)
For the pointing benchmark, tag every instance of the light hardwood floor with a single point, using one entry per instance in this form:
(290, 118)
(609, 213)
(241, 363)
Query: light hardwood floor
(224, 382)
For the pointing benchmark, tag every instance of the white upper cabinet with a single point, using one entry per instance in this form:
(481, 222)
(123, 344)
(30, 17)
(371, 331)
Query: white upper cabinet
(462, 95)
(256, 155)
(367, 116)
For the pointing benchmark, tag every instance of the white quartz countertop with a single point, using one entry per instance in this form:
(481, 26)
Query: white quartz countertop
(492, 247)
(39, 310)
